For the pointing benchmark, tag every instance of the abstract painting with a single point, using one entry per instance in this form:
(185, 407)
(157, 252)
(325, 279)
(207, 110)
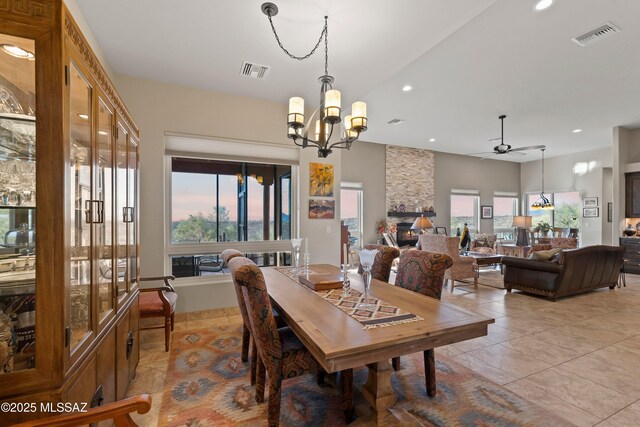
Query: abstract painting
(321, 179)
(322, 209)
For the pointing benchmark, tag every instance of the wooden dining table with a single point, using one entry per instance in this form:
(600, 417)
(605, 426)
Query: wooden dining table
(339, 342)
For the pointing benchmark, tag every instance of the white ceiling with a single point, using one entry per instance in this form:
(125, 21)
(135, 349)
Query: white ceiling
(468, 61)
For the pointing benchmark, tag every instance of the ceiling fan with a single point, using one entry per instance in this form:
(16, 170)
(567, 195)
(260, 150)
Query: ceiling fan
(503, 148)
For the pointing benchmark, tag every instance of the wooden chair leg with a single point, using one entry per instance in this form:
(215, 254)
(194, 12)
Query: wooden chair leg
(430, 372)
(275, 395)
(167, 333)
(475, 282)
(347, 395)
(253, 366)
(246, 337)
(260, 381)
(173, 320)
(395, 362)
(320, 379)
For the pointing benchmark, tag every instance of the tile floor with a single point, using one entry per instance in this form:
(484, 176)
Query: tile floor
(578, 357)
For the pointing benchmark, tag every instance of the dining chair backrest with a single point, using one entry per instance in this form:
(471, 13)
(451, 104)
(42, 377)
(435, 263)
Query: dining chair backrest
(233, 264)
(229, 254)
(449, 245)
(381, 268)
(423, 272)
(260, 313)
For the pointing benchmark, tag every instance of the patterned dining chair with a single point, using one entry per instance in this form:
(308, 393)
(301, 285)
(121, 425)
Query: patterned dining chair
(226, 256)
(381, 268)
(282, 354)
(423, 272)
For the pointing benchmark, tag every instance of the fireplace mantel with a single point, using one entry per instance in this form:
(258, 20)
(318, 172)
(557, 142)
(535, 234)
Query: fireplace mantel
(410, 214)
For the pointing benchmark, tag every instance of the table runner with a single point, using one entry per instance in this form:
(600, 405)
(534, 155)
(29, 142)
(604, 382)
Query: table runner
(381, 316)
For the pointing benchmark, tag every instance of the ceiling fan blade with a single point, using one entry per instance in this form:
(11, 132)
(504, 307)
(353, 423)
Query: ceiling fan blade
(515, 153)
(490, 155)
(530, 147)
(483, 153)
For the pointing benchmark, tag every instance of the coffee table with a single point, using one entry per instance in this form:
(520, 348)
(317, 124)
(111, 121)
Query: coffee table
(483, 259)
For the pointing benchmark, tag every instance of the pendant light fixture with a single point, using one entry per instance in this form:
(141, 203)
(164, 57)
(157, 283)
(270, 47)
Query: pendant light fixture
(542, 202)
(319, 129)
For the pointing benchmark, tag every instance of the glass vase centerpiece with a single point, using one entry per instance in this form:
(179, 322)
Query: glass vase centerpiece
(367, 256)
(297, 244)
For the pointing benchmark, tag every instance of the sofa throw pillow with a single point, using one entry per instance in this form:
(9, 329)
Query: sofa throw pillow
(481, 244)
(544, 255)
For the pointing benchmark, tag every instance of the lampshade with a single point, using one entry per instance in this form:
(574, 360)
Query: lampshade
(422, 223)
(521, 221)
(359, 116)
(332, 105)
(295, 118)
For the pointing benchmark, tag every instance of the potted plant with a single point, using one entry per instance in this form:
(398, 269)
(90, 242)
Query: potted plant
(543, 227)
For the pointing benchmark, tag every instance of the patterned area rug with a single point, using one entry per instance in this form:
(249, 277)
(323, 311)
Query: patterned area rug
(207, 385)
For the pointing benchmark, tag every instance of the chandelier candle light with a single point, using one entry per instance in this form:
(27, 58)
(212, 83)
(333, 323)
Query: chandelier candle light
(542, 202)
(328, 114)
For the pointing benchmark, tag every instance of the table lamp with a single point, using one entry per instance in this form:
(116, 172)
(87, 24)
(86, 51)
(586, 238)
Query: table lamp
(422, 223)
(522, 223)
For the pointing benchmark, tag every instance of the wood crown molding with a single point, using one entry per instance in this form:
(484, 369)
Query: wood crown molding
(31, 8)
(75, 35)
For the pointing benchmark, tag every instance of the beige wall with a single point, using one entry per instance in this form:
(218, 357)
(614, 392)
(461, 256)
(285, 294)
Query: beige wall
(471, 173)
(365, 164)
(560, 176)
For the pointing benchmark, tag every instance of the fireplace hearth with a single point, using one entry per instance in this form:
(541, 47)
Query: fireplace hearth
(405, 236)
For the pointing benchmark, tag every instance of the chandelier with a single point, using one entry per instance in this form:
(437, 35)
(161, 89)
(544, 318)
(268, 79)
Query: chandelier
(542, 202)
(323, 129)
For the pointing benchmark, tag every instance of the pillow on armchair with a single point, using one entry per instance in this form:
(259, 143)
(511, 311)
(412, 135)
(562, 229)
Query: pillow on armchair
(484, 243)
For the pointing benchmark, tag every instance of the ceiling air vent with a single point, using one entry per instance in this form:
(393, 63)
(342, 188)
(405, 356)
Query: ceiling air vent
(255, 71)
(395, 122)
(596, 34)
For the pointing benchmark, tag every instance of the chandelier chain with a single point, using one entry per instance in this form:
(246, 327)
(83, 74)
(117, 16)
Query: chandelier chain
(323, 34)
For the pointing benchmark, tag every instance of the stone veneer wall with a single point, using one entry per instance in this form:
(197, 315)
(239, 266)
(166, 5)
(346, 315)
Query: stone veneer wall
(409, 178)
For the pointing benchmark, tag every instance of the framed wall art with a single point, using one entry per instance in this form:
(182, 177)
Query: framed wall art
(590, 202)
(486, 212)
(322, 209)
(590, 212)
(321, 180)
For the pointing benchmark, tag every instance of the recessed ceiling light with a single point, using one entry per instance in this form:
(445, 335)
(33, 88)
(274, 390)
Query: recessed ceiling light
(543, 4)
(101, 132)
(406, 88)
(576, 130)
(17, 52)
(432, 140)
(83, 116)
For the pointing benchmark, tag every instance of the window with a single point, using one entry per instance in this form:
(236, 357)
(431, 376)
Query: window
(504, 209)
(351, 214)
(567, 209)
(214, 201)
(464, 209)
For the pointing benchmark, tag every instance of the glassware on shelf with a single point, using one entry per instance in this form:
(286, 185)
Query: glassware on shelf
(296, 243)
(367, 256)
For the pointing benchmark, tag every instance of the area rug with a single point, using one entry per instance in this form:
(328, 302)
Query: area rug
(207, 385)
(491, 278)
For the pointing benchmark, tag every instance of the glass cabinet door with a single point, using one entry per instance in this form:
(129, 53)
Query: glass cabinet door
(122, 213)
(132, 215)
(17, 204)
(103, 226)
(82, 209)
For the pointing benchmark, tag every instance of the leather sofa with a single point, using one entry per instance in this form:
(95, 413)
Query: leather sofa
(578, 270)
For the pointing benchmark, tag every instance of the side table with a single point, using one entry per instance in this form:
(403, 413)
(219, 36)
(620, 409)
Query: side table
(510, 249)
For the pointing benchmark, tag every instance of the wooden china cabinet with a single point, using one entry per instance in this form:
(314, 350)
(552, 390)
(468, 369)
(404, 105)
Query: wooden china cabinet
(69, 266)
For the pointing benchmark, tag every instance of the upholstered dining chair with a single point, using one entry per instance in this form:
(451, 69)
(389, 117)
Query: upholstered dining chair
(464, 267)
(159, 302)
(381, 268)
(423, 272)
(281, 353)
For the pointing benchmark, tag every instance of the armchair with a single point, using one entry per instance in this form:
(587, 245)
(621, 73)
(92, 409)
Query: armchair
(485, 243)
(464, 267)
